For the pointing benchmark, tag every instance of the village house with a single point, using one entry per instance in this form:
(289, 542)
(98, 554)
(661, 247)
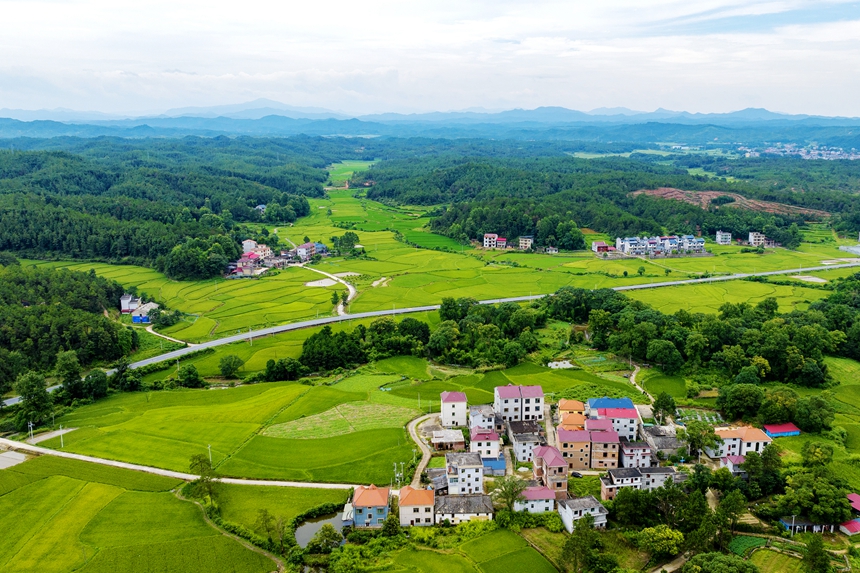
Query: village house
(526, 242)
(601, 247)
(566, 406)
(550, 468)
(781, 430)
(625, 421)
(454, 408)
(248, 245)
(605, 447)
(756, 239)
(306, 251)
(141, 313)
(369, 506)
(572, 510)
(516, 403)
(795, 525)
(536, 499)
(656, 477)
(552, 250)
(635, 454)
(484, 417)
(594, 404)
(484, 442)
(416, 506)
(852, 526)
(724, 238)
(461, 508)
(663, 439)
(599, 425)
(490, 240)
(465, 473)
(734, 465)
(501, 243)
(448, 440)
(738, 441)
(524, 445)
(655, 246)
(645, 478)
(128, 303)
(575, 447)
(573, 421)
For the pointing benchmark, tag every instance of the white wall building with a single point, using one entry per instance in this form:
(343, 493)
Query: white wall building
(572, 510)
(490, 240)
(625, 421)
(635, 454)
(536, 499)
(465, 473)
(484, 443)
(248, 245)
(524, 445)
(757, 239)
(738, 442)
(724, 238)
(416, 507)
(483, 416)
(454, 408)
(518, 403)
(461, 508)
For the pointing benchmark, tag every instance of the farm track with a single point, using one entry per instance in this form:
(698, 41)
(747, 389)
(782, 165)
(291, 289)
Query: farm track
(409, 310)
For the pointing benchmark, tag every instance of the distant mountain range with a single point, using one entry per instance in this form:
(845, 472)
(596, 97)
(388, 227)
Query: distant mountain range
(264, 117)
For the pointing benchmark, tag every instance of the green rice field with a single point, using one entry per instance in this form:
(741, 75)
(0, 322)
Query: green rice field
(240, 503)
(61, 515)
(339, 173)
(773, 562)
(656, 383)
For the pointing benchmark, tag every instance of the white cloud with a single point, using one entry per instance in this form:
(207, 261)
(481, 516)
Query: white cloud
(382, 55)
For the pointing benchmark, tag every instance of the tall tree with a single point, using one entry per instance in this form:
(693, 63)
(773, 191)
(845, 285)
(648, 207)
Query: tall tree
(579, 544)
(508, 490)
(35, 404)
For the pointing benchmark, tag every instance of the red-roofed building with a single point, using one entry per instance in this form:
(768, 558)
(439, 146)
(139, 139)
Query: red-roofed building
(625, 421)
(536, 499)
(454, 407)
(518, 403)
(306, 251)
(550, 468)
(501, 243)
(605, 448)
(600, 247)
(370, 505)
(484, 442)
(734, 465)
(416, 506)
(855, 501)
(781, 430)
(575, 447)
(850, 528)
(603, 425)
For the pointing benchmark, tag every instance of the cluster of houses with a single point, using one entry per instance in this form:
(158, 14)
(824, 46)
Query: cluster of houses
(139, 311)
(657, 246)
(258, 258)
(603, 434)
(493, 241)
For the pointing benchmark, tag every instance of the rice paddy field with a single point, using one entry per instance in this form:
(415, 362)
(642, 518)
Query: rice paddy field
(339, 173)
(63, 515)
(655, 382)
(774, 562)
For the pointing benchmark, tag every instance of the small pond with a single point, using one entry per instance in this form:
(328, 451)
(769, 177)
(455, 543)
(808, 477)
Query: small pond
(306, 531)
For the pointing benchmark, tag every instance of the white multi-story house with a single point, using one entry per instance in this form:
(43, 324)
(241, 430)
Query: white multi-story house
(635, 454)
(656, 477)
(306, 251)
(517, 403)
(757, 239)
(638, 246)
(572, 510)
(724, 238)
(536, 499)
(416, 506)
(485, 443)
(454, 408)
(490, 240)
(484, 417)
(465, 473)
(738, 442)
(526, 242)
(524, 445)
(637, 478)
(248, 245)
(625, 421)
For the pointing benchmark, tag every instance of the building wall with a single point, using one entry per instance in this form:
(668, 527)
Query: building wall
(535, 505)
(454, 414)
(570, 517)
(523, 451)
(370, 516)
(417, 515)
(469, 480)
(577, 454)
(604, 456)
(486, 448)
(456, 518)
(626, 427)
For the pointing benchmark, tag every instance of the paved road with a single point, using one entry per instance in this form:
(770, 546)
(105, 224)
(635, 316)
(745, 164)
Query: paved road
(38, 439)
(398, 311)
(425, 449)
(27, 448)
(16, 399)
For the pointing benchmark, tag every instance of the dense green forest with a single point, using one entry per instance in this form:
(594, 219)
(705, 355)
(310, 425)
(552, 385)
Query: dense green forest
(550, 197)
(47, 311)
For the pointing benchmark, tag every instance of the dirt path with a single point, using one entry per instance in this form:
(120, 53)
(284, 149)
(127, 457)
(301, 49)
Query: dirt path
(425, 449)
(150, 330)
(637, 386)
(341, 311)
(673, 565)
(48, 435)
(22, 447)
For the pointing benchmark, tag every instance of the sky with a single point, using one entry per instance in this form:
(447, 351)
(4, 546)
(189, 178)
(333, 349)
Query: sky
(791, 56)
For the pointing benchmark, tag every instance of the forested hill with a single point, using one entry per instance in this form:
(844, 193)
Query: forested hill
(513, 197)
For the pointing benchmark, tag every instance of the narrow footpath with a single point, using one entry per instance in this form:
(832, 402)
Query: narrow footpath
(341, 311)
(425, 449)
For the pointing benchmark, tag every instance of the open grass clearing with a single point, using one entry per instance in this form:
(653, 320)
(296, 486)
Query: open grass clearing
(57, 524)
(656, 382)
(342, 171)
(240, 503)
(769, 561)
(409, 366)
(490, 546)
(427, 561)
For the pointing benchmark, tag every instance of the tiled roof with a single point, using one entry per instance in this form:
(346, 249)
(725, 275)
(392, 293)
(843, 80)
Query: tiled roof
(566, 436)
(597, 425)
(532, 391)
(451, 397)
(736, 460)
(855, 501)
(625, 473)
(370, 496)
(539, 492)
(464, 504)
(587, 502)
(514, 392)
(479, 434)
(745, 433)
(551, 456)
(618, 412)
(463, 460)
(604, 437)
(573, 419)
(781, 428)
(410, 496)
(524, 427)
(852, 526)
(610, 402)
(565, 404)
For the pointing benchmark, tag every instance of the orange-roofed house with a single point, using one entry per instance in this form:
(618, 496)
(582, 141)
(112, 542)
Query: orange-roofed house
(570, 407)
(738, 442)
(572, 421)
(370, 505)
(416, 506)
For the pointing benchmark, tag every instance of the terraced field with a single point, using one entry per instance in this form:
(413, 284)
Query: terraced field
(62, 515)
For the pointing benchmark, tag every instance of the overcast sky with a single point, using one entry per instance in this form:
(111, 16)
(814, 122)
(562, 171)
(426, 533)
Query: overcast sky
(370, 56)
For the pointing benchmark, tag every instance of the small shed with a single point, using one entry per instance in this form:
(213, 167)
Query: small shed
(850, 528)
(781, 430)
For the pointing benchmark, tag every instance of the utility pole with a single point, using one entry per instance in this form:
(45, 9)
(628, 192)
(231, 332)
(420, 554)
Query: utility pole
(62, 444)
(30, 426)
(210, 455)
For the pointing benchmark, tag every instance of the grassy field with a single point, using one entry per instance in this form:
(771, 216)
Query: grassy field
(240, 503)
(772, 562)
(65, 515)
(656, 382)
(340, 173)
(276, 431)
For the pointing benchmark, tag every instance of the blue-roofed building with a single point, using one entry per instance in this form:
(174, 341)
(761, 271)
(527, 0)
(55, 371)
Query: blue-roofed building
(601, 403)
(494, 466)
(320, 249)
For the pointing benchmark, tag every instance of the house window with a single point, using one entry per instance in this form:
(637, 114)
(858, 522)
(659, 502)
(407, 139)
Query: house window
(415, 510)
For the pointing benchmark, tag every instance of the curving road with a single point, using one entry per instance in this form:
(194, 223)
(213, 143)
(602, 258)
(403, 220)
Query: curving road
(397, 311)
